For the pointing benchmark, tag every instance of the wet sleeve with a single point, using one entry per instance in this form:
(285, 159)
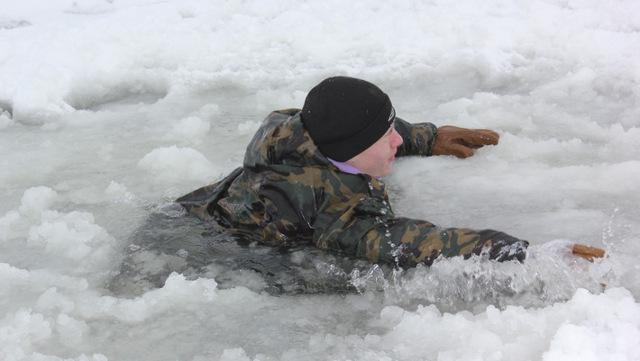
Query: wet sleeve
(417, 139)
(406, 242)
(363, 231)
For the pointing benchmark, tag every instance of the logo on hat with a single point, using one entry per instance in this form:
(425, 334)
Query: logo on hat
(392, 116)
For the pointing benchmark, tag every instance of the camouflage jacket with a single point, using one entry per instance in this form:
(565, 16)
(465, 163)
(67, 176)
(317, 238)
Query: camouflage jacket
(288, 193)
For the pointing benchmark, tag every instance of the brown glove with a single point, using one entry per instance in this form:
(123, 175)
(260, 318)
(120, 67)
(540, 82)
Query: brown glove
(462, 142)
(587, 252)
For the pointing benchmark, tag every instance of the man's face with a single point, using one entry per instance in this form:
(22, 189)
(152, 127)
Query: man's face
(376, 160)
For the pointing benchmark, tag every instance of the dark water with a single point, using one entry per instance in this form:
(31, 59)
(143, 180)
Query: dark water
(172, 241)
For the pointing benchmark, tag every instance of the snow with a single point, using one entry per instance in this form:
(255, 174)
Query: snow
(110, 109)
(118, 193)
(5, 120)
(191, 129)
(37, 199)
(173, 163)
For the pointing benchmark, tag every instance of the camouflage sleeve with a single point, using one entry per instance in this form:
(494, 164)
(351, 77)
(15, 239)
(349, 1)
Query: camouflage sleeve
(407, 242)
(371, 232)
(417, 138)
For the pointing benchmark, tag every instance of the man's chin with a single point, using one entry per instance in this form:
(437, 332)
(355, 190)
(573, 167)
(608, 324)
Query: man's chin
(386, 171)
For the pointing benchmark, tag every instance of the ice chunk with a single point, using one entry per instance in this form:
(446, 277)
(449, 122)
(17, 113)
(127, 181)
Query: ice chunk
(191, 129)
(37, 199)
(119, 193)
(208, 111)
(604, 328)
(63, 237)
(52, 299)
(37, 280)
(177, 291)
(234, 354)
(5, 119)
(19, 331)
(171, 164)
(5, 224)
(248, 127)
(593, 327)
(75, 237)
(70, 331)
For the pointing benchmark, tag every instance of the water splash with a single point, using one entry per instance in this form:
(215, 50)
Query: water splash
(549, 274)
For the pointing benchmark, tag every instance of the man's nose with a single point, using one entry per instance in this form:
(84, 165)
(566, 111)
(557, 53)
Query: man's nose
(397, 138)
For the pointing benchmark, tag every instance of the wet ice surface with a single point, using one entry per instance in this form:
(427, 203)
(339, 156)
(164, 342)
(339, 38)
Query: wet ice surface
(170, 241)
(111, 110)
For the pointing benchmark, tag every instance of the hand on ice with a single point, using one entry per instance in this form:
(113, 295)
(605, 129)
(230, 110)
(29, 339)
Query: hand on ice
(571, 250)
(462, 142)
(587, 252)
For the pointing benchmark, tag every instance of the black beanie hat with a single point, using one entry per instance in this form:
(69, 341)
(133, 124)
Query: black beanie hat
(344, 116)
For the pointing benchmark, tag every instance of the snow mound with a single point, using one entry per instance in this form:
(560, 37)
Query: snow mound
(248, 127)
(73, 235)
(172, 164)
(6, 223)
(118, 193)
(587, 327)
(5, 119)
(37, 199)
(177, 293)
(72, 243)
(598, 325)
(191, 129)
(22, 331)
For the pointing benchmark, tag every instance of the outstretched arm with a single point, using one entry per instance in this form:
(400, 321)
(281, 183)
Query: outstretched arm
(367, 228)
(407, 242)
(426, 139)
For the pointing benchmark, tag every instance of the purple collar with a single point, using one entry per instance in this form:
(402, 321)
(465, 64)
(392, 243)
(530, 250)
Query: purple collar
(347, 168)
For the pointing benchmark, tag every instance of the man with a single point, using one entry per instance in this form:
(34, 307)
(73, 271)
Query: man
(312, 176)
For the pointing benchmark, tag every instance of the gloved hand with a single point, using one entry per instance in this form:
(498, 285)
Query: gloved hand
(462, 142)
(587, 252)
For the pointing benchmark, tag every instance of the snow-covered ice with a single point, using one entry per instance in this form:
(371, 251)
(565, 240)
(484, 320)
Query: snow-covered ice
(110, 109)
(174, 163)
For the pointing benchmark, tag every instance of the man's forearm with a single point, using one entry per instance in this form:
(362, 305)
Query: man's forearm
(407, 242)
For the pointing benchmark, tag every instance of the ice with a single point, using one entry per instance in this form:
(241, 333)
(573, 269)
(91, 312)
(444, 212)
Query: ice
(76, 237)
(190, 129)
(19, 331)
(610, 333)
(36, 200)
(119, 193)
(248, 127)
(109, 110)
(39, 280)
(5, 119)
(72, 242)
(176, 293)
(71, 331)
(234, 354)
(5, 224)
(171, 164)
(88, 7)
(468, 336)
